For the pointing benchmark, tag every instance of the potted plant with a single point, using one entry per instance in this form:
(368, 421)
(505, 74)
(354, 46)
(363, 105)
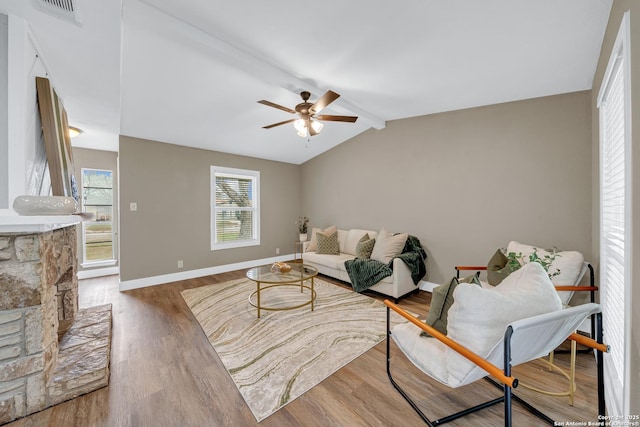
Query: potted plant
(302, 223)
(517, 260)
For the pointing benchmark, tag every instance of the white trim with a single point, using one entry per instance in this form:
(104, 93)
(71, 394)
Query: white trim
(427, 286)
(626, 392)
(98, 272)
(192, 274)
(235, 173)
(97, 264)
(103, 262)
(618, 401)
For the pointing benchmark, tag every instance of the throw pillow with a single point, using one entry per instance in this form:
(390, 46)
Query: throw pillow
(328, 243)
(353, 237)
(313, 243)
(388, 246)
(365, 247)
(441, 302)
(497, 269)
(479, 316)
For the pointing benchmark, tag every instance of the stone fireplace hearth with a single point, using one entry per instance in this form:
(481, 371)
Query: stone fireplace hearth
(49, 350)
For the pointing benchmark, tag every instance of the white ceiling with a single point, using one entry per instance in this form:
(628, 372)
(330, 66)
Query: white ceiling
(190, 72)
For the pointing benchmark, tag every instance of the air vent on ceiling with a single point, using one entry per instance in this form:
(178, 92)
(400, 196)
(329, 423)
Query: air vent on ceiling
(63, 9)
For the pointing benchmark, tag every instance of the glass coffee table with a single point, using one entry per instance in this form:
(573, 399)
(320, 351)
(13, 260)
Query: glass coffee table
(267, 279)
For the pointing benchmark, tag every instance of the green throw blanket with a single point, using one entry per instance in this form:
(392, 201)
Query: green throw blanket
(365, 273)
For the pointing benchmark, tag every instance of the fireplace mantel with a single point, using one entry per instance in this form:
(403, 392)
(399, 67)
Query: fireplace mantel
(36, 224)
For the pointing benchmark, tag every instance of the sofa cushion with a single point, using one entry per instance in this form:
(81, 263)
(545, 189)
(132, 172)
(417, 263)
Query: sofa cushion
(353, 237)
(342, 239)
(328, 243)
(335, 262)
(388, 246)
(313, 242)
(478, 317)
(365, 247)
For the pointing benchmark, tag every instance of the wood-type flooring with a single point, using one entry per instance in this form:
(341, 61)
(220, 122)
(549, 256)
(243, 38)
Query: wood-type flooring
(164, 372)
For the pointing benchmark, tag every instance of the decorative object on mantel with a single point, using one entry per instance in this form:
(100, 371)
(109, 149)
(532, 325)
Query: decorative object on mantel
(280, 267)
(45, 205)
(57, 141)
(302, 222)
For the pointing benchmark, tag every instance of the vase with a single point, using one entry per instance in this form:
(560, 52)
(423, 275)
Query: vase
(303, 237)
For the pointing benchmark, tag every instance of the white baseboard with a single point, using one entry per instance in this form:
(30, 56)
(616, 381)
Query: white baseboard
(427, 286)
(192, 274)
(98, 272)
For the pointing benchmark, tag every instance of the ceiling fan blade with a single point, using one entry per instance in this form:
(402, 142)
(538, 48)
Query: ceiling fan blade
(323, 101)
(279, 107)
(310, 128)
(278, 124)
(329, 118)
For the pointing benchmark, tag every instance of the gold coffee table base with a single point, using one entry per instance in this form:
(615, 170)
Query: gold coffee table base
(300, 275)
(289, 307)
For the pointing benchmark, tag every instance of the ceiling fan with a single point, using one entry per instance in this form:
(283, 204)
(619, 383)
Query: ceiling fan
(308, 122)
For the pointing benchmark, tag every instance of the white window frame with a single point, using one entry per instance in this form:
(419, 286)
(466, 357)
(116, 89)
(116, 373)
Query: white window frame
(103, 262)
(617, 397)
(237, 173)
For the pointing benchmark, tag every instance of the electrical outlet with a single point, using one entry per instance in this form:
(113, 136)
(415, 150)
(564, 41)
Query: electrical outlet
(133, 206)
(180, 264)
(277, 251)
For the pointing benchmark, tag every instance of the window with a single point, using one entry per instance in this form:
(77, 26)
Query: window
(97, 199)
(615, 207)
(235, 208)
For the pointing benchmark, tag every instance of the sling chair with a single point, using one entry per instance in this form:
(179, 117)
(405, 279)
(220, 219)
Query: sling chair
(491, 330)
(566, 292)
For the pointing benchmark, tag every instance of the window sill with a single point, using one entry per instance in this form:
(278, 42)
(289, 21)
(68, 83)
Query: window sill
(96, 264)
(233, 245)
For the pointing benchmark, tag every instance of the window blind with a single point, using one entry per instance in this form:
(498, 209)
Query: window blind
(235, 218)
(613, 187)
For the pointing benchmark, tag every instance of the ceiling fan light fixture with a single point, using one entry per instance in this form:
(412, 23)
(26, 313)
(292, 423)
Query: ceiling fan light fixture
(316, 125)
(300, 126)
(74, 131)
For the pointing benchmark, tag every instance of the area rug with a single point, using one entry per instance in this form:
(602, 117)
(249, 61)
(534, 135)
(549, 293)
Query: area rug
(280, 356)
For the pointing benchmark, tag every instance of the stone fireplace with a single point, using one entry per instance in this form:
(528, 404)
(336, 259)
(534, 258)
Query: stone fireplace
(49, 350)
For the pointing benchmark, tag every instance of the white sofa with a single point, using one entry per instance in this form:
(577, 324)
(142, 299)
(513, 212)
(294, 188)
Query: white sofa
(397, 285)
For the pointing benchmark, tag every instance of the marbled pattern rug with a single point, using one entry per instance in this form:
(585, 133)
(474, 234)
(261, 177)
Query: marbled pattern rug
(280, 356)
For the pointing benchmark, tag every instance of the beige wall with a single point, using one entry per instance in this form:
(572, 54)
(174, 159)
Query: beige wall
(98, 159)
(465, 182)
(615, 18)
(170, 184)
